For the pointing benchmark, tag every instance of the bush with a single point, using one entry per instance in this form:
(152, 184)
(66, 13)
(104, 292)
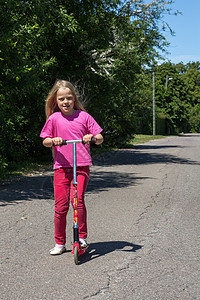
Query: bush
(3, 166)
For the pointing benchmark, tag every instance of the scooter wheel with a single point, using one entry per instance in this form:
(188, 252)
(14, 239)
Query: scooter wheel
(76, 255)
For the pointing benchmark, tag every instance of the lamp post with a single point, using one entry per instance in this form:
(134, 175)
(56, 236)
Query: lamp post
(154, 106)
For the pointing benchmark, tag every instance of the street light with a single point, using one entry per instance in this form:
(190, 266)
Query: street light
(167, 79)
(154, 106)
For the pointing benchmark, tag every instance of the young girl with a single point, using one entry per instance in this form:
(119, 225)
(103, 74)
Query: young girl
(67, 120)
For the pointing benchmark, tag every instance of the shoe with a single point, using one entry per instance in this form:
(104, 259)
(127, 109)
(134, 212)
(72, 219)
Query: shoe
(58, 249)
(83, 243)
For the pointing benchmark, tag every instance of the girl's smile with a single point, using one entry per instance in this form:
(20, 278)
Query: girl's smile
(65, 101)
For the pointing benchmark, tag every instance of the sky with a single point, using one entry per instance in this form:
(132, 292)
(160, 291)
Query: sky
(185, 45)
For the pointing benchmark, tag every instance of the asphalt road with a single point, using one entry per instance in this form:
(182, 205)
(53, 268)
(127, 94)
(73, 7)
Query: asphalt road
(143, 219)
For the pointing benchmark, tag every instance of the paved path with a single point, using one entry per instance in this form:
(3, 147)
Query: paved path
(143, 219)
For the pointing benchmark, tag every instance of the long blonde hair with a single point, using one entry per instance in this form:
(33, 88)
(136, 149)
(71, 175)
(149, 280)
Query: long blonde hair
(51, 103)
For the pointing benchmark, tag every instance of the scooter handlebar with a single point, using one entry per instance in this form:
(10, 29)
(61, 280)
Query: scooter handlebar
(65, 142)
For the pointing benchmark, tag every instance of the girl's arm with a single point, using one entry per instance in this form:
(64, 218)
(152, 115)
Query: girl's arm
(87, 138)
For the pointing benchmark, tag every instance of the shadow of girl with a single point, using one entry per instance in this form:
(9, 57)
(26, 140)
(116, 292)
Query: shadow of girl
(102, 248)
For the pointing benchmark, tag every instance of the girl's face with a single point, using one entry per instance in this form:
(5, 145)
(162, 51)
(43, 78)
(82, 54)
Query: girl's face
(65, 101)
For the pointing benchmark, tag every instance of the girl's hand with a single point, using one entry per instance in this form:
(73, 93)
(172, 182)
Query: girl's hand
(98, 138)
(87, 138)
(57, 141)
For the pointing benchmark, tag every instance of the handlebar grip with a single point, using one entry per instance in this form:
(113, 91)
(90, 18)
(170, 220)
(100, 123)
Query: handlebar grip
(93, 140)
(64, 142)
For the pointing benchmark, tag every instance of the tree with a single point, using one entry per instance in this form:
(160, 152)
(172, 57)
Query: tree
(102, 46)
(191, 77)
(178, 98)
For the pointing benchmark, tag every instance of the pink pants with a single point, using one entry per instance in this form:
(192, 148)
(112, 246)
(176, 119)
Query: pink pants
(63, 193)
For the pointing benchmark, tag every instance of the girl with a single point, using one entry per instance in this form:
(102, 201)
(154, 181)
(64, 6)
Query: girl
(67, 120)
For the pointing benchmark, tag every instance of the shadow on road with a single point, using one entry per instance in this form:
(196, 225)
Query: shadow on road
(41, 187)
(153, 147)
(97, 250)
(135, 157)
(26, 189)
(103, 181)
(99, 181)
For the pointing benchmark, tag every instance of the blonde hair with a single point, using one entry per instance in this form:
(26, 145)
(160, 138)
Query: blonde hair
(51, 103)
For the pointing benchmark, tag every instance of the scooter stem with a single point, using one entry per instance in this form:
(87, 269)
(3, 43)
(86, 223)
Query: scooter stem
(74, 164)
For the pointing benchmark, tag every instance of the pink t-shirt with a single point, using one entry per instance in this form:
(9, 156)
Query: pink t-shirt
(72, 127)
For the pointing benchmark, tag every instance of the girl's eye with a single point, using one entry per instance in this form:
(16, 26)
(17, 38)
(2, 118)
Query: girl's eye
(69, 99)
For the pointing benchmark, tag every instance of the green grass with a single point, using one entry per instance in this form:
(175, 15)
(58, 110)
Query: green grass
(18, 169)
(15, 170)
(142, 138)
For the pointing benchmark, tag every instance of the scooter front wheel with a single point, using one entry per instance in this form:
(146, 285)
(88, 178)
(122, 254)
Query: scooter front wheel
(76, 255)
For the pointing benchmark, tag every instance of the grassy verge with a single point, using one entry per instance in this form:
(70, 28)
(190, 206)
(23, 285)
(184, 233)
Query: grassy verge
(142, 138)
(22, 168)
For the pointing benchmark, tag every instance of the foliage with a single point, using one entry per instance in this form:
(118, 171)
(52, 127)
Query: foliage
(103, 47)
(178, 95)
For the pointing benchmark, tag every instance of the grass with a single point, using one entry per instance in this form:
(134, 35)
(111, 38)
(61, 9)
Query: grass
(16, 170)
(19, 169)
(142, 138)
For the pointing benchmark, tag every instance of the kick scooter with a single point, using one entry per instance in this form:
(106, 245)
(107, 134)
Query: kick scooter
(77, 249)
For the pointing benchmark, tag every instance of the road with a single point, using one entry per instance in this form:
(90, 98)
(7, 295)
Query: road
(143, 219)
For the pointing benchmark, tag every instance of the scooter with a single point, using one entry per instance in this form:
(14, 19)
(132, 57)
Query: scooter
(77, 249)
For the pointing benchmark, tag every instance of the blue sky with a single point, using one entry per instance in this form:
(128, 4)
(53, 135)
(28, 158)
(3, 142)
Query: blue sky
(185, 45)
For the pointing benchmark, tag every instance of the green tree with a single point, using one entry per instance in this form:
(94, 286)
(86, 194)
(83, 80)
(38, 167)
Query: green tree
(102, 46)
(191, 77)
(177, 95)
